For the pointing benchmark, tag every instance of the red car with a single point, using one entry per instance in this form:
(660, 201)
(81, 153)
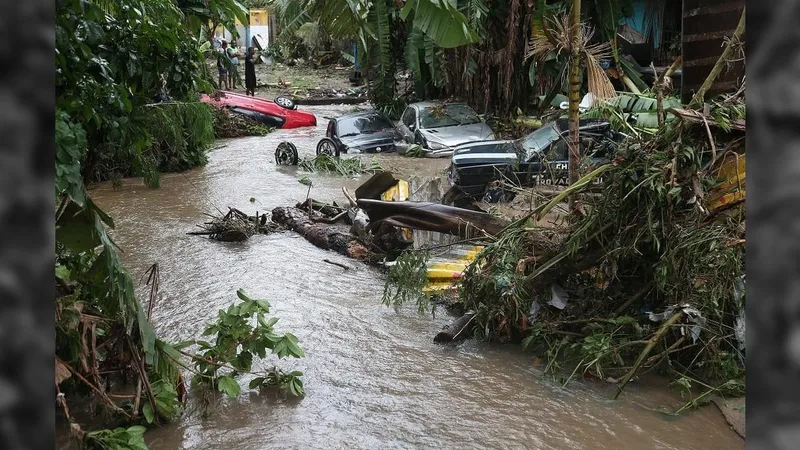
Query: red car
(282, 113)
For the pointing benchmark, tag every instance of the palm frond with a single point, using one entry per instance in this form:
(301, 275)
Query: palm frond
(476, 13)
(599, 84)
(413, 47)
(344, 19)
(554, 38)
(311, 34)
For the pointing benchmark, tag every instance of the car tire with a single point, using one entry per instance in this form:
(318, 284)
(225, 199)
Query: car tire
(285, 102)
(498, 195)
(328, 146)
(286, 154)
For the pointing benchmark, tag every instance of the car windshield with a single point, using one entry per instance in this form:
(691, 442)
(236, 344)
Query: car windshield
(539, 139)
(363, 124)
(447, 116)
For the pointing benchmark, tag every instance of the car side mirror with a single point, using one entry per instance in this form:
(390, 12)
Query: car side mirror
(412, 127)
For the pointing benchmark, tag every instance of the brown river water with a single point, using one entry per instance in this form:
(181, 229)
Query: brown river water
(373, 376)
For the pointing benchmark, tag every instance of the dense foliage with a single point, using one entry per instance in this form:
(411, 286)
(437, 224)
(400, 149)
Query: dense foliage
(650, 276)
(478, 50)
(113, 60)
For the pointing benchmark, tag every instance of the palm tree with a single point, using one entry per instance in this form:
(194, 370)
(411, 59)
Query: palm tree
(574, 95)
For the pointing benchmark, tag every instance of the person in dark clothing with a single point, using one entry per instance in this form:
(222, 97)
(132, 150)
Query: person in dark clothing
(250, 71)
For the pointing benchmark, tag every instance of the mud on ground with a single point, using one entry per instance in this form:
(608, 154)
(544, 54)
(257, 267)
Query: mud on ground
(299, 80)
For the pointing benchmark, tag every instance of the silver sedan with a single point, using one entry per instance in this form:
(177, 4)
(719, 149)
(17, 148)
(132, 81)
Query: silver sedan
(438, 127)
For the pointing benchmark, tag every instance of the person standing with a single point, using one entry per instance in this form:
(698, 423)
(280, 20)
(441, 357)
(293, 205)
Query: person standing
(233, 54)
(250, 71)
(222, 58)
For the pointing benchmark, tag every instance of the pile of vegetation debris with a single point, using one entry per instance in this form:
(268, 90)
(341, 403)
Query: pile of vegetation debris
(647, 275)
(236, 226)
(348, 167)
(230, 125)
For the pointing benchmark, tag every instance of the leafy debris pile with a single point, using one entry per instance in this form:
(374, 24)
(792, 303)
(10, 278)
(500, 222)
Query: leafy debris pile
(643, 278)
(236, 226)
(645, 275)
(230, 125)
(348, 167)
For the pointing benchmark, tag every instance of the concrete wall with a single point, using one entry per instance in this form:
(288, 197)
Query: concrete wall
(259, 24)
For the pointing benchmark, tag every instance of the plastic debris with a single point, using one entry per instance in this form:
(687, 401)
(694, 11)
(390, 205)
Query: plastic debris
(559, 297)
(692, 314)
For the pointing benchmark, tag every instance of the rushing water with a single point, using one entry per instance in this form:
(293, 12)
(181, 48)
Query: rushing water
(373, 377)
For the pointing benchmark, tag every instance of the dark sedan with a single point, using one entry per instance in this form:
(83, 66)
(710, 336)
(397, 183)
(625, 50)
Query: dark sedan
(538, 157)
(361, 132)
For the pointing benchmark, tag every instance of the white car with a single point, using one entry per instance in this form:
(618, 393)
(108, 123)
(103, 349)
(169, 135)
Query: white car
(439, 127)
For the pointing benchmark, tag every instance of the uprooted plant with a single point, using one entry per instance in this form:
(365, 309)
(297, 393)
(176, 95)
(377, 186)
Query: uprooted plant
(645, 278)
(348, 167)
(242, 332)
(647, 244)
(232, 125)
(236, 226)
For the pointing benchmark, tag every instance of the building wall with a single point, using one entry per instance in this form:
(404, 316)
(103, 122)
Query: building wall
(259, 25)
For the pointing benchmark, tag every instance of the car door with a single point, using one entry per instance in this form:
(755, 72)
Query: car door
(556, 158)
(408, 124)
(331, 133)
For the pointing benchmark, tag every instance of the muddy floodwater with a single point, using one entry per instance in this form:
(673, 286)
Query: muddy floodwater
(374, 379)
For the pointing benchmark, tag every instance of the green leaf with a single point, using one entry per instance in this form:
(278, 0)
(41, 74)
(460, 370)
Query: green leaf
(256, 382)
(291, 344)
(102, 214)
(441, 21)
(264, 305)
(244, 361)
(75, 229)
(147, 410)
(296, 387)
(305, 181)
(229, 386)
(63, 273)
(240, 293)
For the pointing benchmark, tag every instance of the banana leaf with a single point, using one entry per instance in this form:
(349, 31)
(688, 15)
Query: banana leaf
(441, 21)
(634, 74)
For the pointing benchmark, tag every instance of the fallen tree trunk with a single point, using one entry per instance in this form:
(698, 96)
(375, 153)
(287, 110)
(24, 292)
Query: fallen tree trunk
(457, 330)
(323, 236)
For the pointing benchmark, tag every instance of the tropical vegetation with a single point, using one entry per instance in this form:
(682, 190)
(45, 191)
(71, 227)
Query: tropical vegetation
(116, 62)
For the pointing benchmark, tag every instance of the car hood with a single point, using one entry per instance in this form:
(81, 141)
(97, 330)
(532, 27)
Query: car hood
(496, 152)
(455, 135)
(371, 139)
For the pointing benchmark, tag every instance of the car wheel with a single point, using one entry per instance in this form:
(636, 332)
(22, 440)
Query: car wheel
(498, 195)
(286, 154)
(328, 147)
(285, 102)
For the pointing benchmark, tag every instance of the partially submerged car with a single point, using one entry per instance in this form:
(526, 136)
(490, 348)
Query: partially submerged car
(540, 156)
(282, 113)
(439, 127)
(361, 132)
